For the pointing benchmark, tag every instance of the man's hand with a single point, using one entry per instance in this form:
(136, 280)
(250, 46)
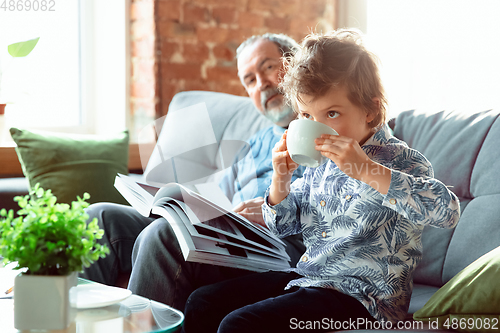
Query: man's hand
(251, 210)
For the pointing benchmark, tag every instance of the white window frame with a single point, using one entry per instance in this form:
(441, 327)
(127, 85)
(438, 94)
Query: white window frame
(105, 65)
(104, 78)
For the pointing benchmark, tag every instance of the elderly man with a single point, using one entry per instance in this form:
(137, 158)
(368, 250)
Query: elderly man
(158, 269)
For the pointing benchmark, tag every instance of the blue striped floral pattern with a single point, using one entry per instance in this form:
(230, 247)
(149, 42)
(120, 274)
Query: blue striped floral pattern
(359, 241)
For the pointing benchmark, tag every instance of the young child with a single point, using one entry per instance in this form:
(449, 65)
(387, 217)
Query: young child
(361, 214)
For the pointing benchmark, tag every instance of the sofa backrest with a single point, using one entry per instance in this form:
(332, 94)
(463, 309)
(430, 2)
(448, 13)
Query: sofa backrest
(200, 136)
(463, 149)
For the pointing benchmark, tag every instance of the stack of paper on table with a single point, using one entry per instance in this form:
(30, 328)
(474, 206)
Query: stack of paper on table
(207, 232)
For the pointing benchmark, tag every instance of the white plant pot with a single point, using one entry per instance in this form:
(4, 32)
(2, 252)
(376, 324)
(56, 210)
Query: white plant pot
(42, 302)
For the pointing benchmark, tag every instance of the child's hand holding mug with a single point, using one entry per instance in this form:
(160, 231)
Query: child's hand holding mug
(283, 167)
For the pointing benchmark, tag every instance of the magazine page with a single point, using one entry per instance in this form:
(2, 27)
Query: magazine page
(181, 233)
(140, 196)
(206, 251)
(143, 196)
(201, 232)
(232, 257)
(223, 225)
(214, 193)
(207, 233)
(240, 219)
(242, 226)
(205, 210)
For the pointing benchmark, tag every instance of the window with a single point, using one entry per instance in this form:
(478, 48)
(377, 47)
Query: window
(76, 78)
(434, 54)
(44, 86)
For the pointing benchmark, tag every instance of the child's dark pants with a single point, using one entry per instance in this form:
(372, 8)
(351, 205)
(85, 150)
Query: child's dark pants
(259, 303)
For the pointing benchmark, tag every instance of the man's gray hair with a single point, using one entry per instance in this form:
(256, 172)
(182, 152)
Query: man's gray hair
(286, 44)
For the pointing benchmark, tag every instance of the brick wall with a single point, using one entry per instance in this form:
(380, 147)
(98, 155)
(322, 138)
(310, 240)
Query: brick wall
(144, 96)
(180, 45)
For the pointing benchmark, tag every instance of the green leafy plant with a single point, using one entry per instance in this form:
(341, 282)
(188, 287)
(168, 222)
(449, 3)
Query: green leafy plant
(50, 238)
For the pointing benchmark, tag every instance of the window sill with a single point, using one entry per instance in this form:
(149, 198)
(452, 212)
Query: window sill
(10, 166)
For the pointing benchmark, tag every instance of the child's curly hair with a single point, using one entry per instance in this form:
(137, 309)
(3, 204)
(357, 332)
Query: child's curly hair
(336, 59)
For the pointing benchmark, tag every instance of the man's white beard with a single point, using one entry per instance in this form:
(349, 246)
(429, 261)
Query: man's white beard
(279, 112)
(281, 116)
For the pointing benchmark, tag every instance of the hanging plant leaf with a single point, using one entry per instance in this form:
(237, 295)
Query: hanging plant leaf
(22, 49)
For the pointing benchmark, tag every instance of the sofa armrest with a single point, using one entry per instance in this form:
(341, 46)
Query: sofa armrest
(10, 188)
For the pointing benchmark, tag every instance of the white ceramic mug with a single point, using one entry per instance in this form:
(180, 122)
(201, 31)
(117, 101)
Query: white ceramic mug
(300, 141)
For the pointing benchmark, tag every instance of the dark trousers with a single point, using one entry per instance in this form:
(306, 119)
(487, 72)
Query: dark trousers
(121, 224)
(149, 246)
(259, 303)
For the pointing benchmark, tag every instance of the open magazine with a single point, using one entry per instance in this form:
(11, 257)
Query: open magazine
(206, 231)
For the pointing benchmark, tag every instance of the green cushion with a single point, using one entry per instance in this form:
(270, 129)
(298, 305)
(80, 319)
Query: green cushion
(71, 165)
(470, 301)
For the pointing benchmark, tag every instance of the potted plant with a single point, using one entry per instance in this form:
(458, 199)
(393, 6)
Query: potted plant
(52, 242)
